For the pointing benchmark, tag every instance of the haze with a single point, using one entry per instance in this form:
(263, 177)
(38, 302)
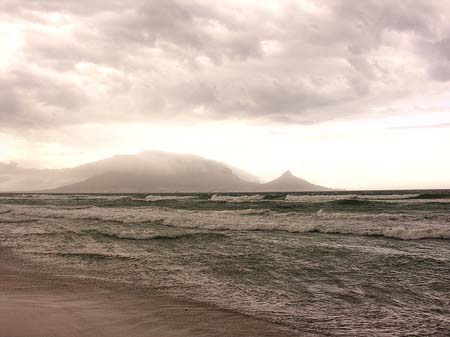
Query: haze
(347, 94)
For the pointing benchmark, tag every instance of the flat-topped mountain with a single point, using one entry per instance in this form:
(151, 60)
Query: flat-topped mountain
(154, 171)
(149, 171)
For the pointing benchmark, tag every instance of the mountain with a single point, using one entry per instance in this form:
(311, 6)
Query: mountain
(154, 171)
(149, 171)
(287, 182)
(158, 163)
(198, 175)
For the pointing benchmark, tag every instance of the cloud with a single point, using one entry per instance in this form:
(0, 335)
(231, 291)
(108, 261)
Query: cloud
(189, 61)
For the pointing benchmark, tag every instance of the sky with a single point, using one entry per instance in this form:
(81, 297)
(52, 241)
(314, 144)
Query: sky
(347, 94)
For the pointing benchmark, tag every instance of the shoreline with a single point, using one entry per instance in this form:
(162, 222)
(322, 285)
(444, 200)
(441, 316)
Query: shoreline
(34, 303)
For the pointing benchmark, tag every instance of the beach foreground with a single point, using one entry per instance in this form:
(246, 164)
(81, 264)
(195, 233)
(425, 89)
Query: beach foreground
(36, 304)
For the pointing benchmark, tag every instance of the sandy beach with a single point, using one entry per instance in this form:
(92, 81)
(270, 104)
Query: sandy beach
(36, 304)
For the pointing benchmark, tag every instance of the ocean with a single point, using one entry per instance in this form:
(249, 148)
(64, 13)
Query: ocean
(331, 263)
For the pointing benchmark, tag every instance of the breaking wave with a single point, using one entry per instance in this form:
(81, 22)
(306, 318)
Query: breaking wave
(153, 197)
(237, 198)
(432, 196)
(399, 226)
(321, 198)
(318, 198)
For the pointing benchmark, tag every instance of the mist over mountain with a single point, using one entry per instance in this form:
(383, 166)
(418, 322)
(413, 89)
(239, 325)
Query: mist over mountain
(16, 179)
(149, 171)
(153, 171)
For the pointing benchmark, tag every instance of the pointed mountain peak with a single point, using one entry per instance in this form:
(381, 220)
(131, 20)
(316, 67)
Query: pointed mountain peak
(287, 174)
(290, 183)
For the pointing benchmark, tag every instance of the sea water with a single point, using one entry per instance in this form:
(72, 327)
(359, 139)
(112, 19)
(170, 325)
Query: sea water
(336, 263)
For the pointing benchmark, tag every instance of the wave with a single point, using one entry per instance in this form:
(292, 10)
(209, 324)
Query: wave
(101, 197)
(443, 197)
(400, 232)
(387, 196)
(153, 197)
(274, 196)
(432, 196)
(318, 198)
(409, 226)
(143, 236)
(237, 198)
(351, 202)
(404, 233)
(322, 198)
(88, 255)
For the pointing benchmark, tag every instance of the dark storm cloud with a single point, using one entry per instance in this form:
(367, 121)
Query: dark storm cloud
(200, 60)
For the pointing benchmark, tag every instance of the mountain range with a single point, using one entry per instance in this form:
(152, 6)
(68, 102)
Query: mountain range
(149, 171)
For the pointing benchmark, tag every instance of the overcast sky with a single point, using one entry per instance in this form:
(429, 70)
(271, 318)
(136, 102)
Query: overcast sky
(349, 94)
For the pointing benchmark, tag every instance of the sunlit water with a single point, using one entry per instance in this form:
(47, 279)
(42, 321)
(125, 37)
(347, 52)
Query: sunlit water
(361, 264)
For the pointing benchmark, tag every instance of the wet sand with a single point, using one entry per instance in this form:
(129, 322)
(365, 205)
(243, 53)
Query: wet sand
(36, 304)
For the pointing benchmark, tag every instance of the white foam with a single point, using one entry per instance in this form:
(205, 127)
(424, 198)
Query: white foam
(416, 233)
(153, 197)
(319, 197)
(101, 197)
(401, 226)
(387, 196)
(237, 198)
